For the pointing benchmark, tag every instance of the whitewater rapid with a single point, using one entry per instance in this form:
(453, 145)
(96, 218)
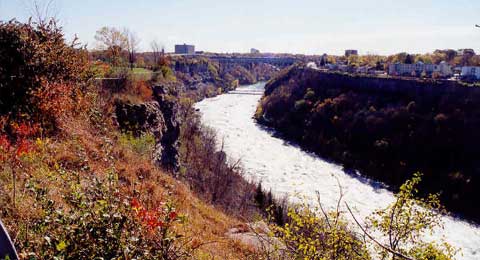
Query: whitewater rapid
(287, 170)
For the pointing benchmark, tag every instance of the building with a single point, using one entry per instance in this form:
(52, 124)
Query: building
(254, 51)
(350, 52)
(471, 72)
(184, 49)
(312, 65)
(402, 69)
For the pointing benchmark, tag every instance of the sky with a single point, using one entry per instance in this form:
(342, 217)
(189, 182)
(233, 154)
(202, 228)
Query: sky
(282, 26)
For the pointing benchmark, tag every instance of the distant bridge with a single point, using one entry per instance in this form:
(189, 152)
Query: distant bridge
(276, 61)
(246, 92)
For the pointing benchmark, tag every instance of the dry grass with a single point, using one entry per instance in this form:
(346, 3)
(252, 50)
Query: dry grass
(87, 146)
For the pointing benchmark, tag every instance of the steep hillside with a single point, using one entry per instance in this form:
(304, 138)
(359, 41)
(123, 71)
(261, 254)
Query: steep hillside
(88, 170)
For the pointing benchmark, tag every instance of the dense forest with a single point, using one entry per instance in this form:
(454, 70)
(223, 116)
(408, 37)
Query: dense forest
(386, 128)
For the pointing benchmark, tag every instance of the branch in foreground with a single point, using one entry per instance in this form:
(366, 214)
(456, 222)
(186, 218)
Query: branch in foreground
(374, 240)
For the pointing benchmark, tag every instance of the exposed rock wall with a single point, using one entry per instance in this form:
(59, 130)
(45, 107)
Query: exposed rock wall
(143, 118)
(170, 109)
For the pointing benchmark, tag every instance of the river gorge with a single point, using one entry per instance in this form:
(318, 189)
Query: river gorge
(289, 171)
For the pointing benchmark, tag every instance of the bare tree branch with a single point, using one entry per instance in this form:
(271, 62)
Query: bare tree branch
(374, 240)
(337, 211)
(323, 210)
(42, 11)
(156, 49)
(132, 45)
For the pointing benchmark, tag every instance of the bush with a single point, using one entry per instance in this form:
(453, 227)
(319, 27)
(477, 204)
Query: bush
(308, 235)
(313, 233)
(142, 145)
(168, 73)
(76, 208)
(32, 55)
(119, 79)
(405, 223)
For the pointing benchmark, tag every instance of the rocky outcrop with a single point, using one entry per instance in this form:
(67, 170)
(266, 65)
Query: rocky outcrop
(142, 118)
(257, 236)
(170, 109)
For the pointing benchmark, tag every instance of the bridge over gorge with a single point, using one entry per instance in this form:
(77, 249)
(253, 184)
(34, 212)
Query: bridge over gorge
(246, 92)
(275, 61)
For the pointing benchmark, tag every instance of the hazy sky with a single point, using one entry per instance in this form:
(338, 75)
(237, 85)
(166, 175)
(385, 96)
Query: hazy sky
(294, 26)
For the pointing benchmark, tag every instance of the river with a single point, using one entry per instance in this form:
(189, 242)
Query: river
(288, 170)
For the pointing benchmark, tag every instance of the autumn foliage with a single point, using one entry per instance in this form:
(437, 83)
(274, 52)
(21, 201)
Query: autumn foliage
(33, 56)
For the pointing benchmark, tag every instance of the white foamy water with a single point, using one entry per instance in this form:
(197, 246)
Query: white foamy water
(286, 169)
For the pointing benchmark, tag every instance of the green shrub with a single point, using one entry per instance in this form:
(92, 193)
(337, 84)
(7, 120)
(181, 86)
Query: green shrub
(308, 235)
(143, 144)
(168, 73)
(405, 223)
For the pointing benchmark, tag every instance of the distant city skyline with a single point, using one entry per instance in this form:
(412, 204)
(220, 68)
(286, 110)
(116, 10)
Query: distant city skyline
(280, 26)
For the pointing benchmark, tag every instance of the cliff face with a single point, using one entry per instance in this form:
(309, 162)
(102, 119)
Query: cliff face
(386, 128)
(161, 118)
(170, 108)
(196, 78)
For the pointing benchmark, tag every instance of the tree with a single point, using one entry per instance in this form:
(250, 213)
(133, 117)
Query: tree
(41, 11)
(449, 54)
(322, 62)
(354, 60)
(156, 50)
(399, 57)
(371, 60)
(140, 62)
(132, 42)
(405, 223)
(32, 55)
(113, 40)
(409, 59)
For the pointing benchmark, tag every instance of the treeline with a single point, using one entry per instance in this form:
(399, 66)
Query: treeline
(386, 128)
(455, 58)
